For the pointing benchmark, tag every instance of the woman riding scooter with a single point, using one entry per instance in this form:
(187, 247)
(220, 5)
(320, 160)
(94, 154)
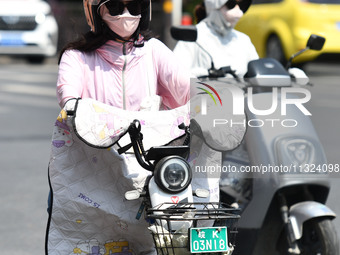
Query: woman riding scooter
(282, 212)
(216, 34)
(116, 63)
(218, 45)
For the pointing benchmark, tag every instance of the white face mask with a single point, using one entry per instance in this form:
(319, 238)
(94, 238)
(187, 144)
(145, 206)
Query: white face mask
(123, 25)
(232, 16)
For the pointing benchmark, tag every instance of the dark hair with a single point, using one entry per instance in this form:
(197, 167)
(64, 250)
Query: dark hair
(200, 12)
(91, 41)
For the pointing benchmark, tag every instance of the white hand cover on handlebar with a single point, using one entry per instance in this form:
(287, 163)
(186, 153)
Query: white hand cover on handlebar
(100, 125)
(220, 128)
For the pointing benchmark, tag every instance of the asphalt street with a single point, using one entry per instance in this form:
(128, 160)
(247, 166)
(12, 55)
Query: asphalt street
(28, 109)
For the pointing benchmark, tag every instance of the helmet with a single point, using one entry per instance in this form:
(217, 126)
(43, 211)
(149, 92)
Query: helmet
(217, 4)
(94, 19)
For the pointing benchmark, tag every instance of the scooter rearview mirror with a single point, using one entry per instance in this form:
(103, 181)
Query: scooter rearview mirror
(316, 42)
(184, 33)
(189, 34)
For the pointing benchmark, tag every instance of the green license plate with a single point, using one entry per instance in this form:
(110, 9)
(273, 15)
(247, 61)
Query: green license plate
(213, 239)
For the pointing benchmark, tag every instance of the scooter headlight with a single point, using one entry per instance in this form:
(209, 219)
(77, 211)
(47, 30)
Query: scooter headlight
(173, 174)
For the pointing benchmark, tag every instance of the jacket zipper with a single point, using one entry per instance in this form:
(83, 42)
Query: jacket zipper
(123, 76)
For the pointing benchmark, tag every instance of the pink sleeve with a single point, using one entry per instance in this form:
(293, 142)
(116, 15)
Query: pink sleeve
(173, 78)
(70, 76)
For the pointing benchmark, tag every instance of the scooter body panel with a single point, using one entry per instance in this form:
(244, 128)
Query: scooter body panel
(158, 196)
(267, 140)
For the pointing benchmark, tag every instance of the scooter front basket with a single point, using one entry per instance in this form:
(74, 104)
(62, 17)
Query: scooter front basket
(170, 224)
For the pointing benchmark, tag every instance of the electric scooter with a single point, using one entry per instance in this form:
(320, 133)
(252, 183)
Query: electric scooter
(176, 221)
(279, 175)
(182, 218)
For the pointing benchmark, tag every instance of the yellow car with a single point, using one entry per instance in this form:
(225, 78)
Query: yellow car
(280, 28)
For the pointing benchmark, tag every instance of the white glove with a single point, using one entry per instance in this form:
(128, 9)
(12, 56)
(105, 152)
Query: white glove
(198, 71)
(299, 76)
(70, 104)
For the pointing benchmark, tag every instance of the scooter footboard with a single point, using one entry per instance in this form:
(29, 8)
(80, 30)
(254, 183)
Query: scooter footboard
(301, 212)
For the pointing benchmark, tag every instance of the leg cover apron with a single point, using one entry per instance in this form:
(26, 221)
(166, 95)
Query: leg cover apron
(89, 213)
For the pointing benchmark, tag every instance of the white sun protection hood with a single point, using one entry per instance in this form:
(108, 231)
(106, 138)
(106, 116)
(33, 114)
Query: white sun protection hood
(213, 5)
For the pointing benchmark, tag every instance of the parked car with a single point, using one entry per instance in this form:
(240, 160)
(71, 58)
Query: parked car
(27, 29)
(279, 28)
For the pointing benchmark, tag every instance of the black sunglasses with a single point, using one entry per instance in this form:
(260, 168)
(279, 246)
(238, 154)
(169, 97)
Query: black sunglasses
(230, 4)
(117, 7)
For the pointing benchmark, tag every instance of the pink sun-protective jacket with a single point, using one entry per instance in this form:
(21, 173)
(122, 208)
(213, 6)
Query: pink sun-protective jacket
(118, 74)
